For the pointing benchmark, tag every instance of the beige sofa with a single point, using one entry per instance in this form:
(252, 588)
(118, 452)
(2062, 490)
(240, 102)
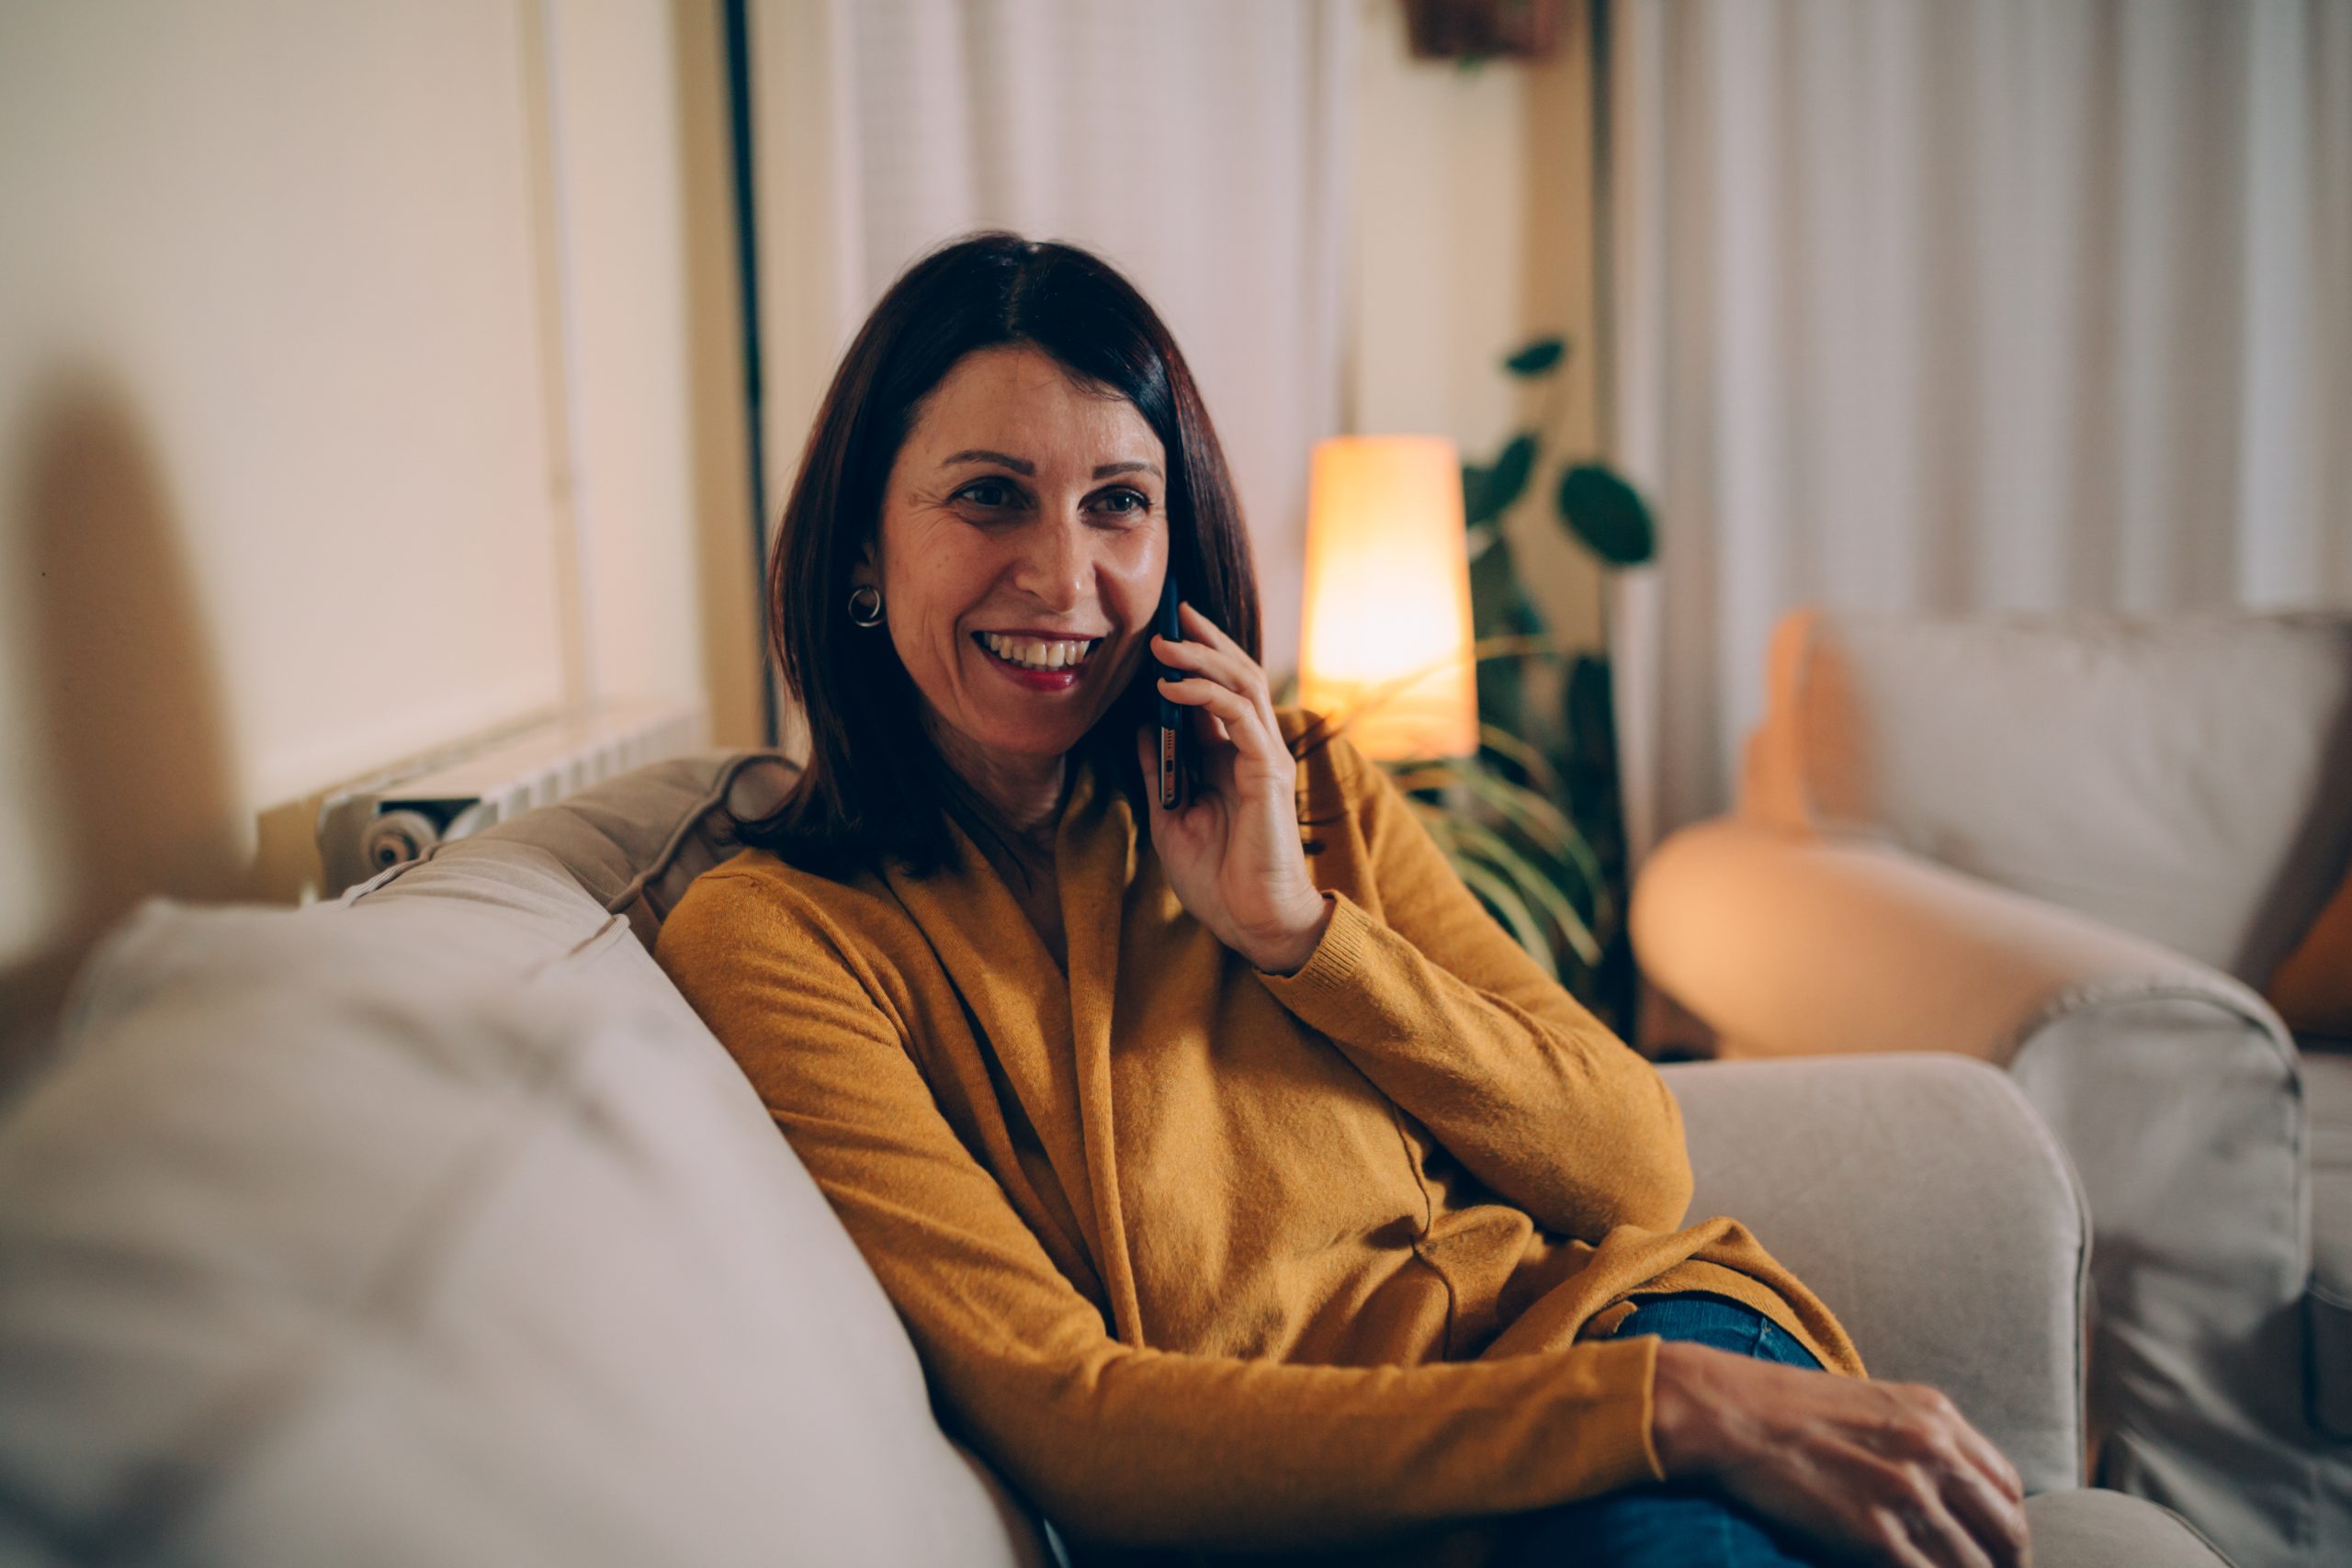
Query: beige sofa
(2075, 848)
(432, 1227)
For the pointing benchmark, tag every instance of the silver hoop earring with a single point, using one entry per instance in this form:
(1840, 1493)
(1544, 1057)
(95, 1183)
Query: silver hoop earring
(865, 605)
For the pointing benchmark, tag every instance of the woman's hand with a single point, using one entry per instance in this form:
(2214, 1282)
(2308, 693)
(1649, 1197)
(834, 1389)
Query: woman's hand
(1232, 852)
(1875, 1471)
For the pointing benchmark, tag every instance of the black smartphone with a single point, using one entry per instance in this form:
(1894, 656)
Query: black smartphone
(1175, 741)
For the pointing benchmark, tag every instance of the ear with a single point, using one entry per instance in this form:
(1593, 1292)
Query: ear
(866, 573)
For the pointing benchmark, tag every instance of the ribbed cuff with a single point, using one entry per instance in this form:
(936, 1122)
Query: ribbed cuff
(1338, 957)
(1612, 1426)
(1647, 1435)
(1623, 1446)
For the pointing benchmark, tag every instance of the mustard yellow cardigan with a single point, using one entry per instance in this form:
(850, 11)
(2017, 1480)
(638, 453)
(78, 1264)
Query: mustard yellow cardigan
(1210, 1259)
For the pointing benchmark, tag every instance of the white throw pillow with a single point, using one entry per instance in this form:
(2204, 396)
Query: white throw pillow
(438, 1231)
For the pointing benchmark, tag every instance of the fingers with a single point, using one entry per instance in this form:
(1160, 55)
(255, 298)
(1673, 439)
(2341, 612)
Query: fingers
(1229, 665)
(1258, 706)
(1942, 1539)
(1892, 1471)
(1901, 1517)
(1245, 727)
(1219, 656)
(1987, 1494)
(1996, 1524)
(1931, 1416)
(1991, 1462)
(1198, 626)
(1195, 660)
(1214, 658)
(1976, 1485)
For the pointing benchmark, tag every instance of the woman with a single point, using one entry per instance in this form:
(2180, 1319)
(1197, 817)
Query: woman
(1242, 1186)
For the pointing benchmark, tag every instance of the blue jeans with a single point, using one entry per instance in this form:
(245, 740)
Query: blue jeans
(1669, 1525)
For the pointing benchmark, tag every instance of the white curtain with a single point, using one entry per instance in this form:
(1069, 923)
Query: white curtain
(1944, 307)
(1199, 146)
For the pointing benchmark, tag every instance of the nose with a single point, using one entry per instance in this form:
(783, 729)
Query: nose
(1056, 567)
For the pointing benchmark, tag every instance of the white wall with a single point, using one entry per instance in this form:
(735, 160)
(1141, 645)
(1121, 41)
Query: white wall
(621, 227)
(316, 325)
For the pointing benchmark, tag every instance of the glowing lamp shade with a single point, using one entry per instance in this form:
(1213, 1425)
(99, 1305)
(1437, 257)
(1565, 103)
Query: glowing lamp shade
(1387, 615)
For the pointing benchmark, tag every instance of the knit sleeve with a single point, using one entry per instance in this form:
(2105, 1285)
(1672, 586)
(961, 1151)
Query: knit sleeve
(1118, 1444)
(1452, 1019)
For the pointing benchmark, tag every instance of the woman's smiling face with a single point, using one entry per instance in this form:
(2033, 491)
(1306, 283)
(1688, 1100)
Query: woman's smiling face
(1023, 543)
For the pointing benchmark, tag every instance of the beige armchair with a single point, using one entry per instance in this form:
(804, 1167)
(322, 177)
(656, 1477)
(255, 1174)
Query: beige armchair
(2076, 847)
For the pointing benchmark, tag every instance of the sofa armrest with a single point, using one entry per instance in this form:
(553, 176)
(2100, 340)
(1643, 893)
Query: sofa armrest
(2109, 1528)
(2174, 1091)
(1788, 945)
(1923, 1200)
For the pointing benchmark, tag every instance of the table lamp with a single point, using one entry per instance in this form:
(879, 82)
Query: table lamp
(1387, 632)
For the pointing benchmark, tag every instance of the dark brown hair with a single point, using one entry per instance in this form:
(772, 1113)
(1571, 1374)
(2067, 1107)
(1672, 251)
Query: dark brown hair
(875, 788)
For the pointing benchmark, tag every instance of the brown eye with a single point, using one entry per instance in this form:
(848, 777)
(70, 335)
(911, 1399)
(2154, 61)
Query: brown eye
(1125, 503)
(990, 494)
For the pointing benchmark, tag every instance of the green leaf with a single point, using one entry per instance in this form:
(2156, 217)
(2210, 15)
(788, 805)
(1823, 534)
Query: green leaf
(1554, 838)
(1464, 843)
(1498, 603)
(1537, 359)
(1531, 887)
(1510, 908)
(1488, 492)
(1530, 882)
(1608, 514)
(1500, 606)
(1578, 933)
(1550, 832)
(1531, 761)
(1589, 767)
(1506, 480)
(1589, 709)
(1546, 825)
(1474, 495)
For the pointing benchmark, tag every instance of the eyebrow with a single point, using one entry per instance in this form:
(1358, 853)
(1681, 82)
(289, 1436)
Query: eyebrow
(1024, 466)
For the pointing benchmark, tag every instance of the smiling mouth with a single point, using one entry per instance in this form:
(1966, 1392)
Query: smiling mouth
(1031, 653)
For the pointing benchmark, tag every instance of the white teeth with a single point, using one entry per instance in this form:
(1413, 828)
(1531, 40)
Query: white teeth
(1036, 654)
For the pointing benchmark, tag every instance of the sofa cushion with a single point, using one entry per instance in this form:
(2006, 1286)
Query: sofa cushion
(2182, 778)
(634, 841)
(1972, 1277)
(437, 1230)
(2108, 1527)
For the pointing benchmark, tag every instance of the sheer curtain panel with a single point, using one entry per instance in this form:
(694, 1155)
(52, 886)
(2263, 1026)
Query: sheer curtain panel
(1962, 307)
(1199, 146)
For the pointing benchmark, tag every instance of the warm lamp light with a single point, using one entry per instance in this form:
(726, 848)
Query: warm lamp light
(1387, 618)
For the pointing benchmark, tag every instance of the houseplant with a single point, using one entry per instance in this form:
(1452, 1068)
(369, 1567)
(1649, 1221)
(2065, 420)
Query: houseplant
(1570, 762)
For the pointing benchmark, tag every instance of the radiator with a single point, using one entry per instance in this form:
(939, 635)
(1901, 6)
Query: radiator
(398, 815)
